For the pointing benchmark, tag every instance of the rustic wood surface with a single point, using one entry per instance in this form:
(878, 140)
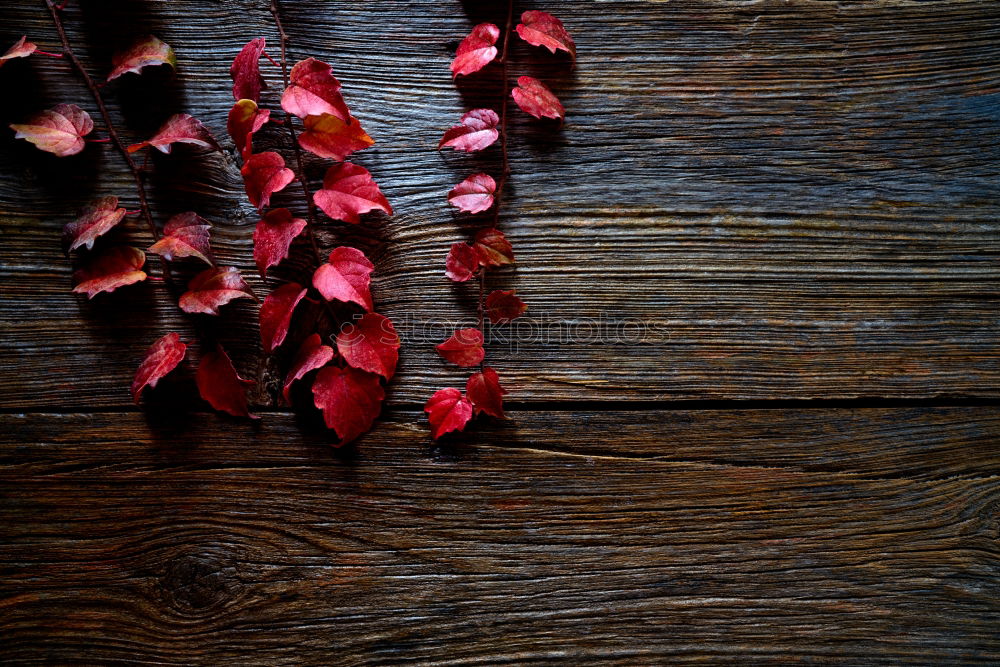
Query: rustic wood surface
(756, 406)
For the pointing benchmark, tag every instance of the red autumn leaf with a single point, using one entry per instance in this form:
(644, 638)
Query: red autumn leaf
(161, 358)
(534, 97)
(312, 354)
(115, 267)
(212, 288)
(504, 306)
(447, 410)
(185, 235)
(245, 71)
(243, 121)
(348, 192)
(220, 385)
(493, 248)
(345, 277)
(59, 130)
(180, 128)
(542, 29)
(370, 344)
(476, 51)
(276, 314)
(146, 52)
(313, 90)
(462, 262)
(476, 131)
(273, 237)
(96, 219)
(263, 175)
(327, 136)
(350, 400)
(474, 194)
(464, 348)
(21, 49)
(485, 393)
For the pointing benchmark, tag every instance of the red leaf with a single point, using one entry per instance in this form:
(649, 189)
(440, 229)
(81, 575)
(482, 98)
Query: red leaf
(447, 410)
(542, 29)
(180, 128)
(273, 237)
(212, 288)
(313, 90)
(185, 235)
(474, 194)
(485, 393)
(476, 51)
(350, 400)
(370, 344)
(243, 121)
(59, 130)
(245, 71)
(263, 175)
(21, 49)
(504, 306)
(312, 354)
(464, 348)
(478, 129)
(493, 248)
(276, 314)
(462, 262)
(146, 52)
(534, 97)
(96, 219)
(161, 358)
(345, 277)
(327, 136)
(348, 192)
(112, 268)
(219, 384)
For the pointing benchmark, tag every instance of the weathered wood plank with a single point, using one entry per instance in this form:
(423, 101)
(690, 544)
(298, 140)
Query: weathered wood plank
(759, 536)
(795, 199)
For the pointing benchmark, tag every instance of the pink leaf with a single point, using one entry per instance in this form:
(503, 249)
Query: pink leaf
(96, 219)
(276, 314)
(350, 400)
(370, 344)
(273, 237)
(179, 129)
(462, 262)
(348, 192)
(345, 277)
(543, 29)
(493, 248)
(245, 71)
(185, 235)
(447, 410)
(112, 268)
(485, 393)
(504, 306)
(330, 137)
(220, 385)
(464, 348)
(212, 288)
(534, 97)
(474, 194)
(313, 90)
(243, 121)
(21, 49)
(263, 175)
(59, 130)
(476, 131)
(312, 354)
(161, 358)
(477, 50)
(146, 52)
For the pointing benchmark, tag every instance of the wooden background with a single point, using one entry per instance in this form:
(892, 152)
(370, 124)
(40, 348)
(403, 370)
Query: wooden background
(797, 201)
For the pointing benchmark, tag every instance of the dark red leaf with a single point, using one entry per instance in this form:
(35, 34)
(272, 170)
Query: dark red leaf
(212, 288)
(447, 410)
(245, 118)
(370, 344)
(313, 90)
(493, 248)
(477, 50)
(350, 400)
(485, 393)
(59, 130)
(327, 136)
(146, 52)
(542, 29)
(312, 354)
(504, 306)
(219, 384)
(21, 49)
(478, 130)
(345, 277)
(464, 348)
(161, 358)
(263, 175)
(273, 237)
(534, 97)
(348, 192)
(245, 71)
(462, 262)
(110, 269)
(180, 128)
(185, 235)
(96, 219)
(276, 314)
(474, 194)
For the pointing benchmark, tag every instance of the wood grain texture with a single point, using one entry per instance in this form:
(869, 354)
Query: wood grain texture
(790, 199)
(763, 536)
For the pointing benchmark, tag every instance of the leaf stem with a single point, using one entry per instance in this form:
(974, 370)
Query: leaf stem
(48, 53)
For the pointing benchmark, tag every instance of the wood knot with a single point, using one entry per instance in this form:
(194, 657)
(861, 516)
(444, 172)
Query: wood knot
(199, 582)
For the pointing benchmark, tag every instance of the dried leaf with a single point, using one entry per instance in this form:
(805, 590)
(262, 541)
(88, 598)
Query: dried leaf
(185, 235)
(263, 175)
(535, 98)
(212, 288)
(245, 119)
(146, 52)
(504, 306)
(59, 130)
(464, 347)
(313, 90)
(485, 393)
(312, 354)
(245, 71)
(161, 358)
(474, 194)
(330, 137)
(476, 51)
(543, 29)
(447, 410)
(350, 400)
(476, 131)
(115, 267)
(180, 128)
(348, 192)
(276, 314)
(370, 344)
(273, 237)
(462, 262)
(96, 219)
(21, 49)
(345, 277)
(220, 385)
(493, 248)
